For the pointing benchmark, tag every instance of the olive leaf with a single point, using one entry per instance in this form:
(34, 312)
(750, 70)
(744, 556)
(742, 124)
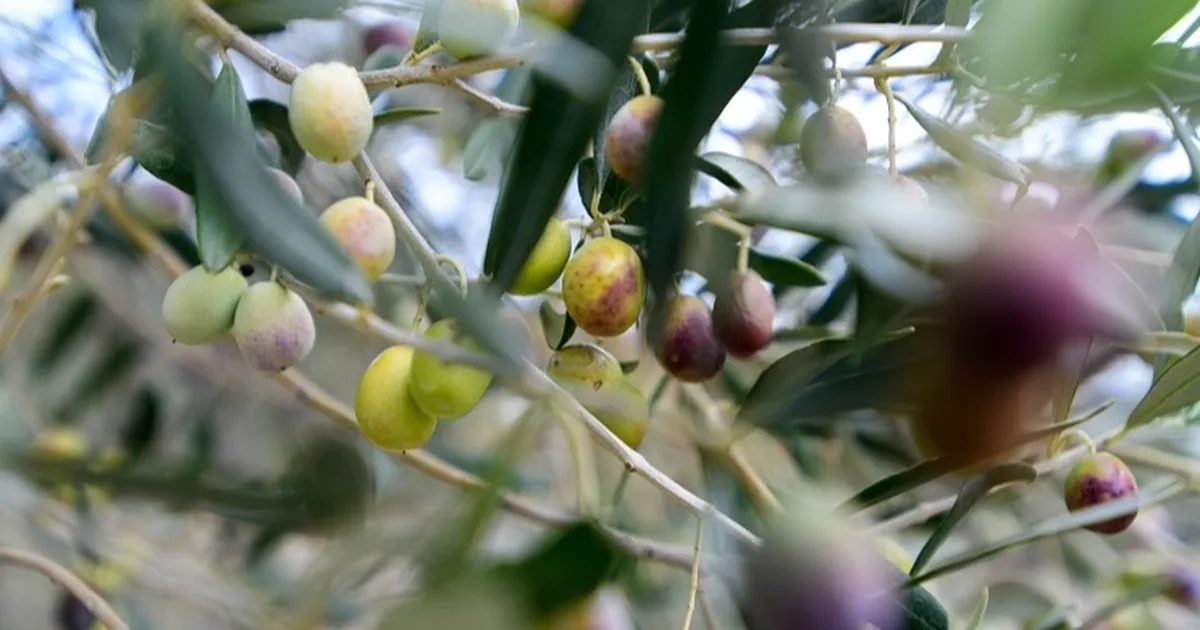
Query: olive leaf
(966, 149)
(401, 114)
(143, 425)
(1176, 387)
(749, 175)
(272, 117)
(972, 491)
(557, 327)
(217, 236)
(1185, 265)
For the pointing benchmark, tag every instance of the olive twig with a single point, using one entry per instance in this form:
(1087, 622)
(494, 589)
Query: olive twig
(63, 577)
(694, 585)
(881, 84)
(369, 190)
(640, 73)
(719, 219)
(743, 257)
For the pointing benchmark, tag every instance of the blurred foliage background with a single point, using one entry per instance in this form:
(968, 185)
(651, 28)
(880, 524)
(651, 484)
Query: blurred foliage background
(220, 523)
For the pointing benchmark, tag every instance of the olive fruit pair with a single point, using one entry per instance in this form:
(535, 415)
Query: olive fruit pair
(695, 341)
(594, 377)
(1100, 478)
(271, 324)
(404, 392)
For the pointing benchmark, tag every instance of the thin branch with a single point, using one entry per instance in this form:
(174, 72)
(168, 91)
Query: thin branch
(491, 102)
(231, 37)
(63, 577)
(694, 584)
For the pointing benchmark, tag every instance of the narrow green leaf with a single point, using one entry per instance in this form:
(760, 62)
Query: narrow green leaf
(785, 270)
(553, 135)
(972, 492)
(710, 168)
(271, 220)
(709, 73)
(980, 610)
(1060, 525)
(895, 485)
(401, 114)
(1177, 387)
(218, 238)
(929, 470)
(558, 328)
(876, 312)
(967, 149)
(272, 117)
(749, 175)
(143, 425)
(1185, 266)
(617, 193)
